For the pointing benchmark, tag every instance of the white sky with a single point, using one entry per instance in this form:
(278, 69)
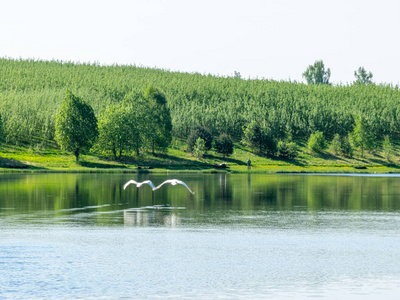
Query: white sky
(272, 39)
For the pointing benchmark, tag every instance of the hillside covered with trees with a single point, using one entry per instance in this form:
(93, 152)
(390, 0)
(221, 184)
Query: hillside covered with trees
(250, 110)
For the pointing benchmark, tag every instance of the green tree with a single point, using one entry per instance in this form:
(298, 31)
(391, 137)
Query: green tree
(223, 144)
(336, 143)
(259, 137)
(1, 130)
(119, 129)
(199, 148)
(287, 149)
(345, 147)
(341, 145)
(361, 136)
(316, 74)
(199, 132)
(76, 125)
(387, 148)
(316, 142)
(362, 76)
(159, 124)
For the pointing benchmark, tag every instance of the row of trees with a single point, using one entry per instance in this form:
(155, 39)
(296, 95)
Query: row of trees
(139, 121)
(31, 93)
(316, 74)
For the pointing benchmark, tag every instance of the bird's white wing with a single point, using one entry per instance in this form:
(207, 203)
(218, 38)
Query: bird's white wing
(130, 182)
(149, 183)
(174, 182)
(166, 181)
(184, 184)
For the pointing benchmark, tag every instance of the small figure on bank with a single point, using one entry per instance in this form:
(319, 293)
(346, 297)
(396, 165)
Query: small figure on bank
(248, 164)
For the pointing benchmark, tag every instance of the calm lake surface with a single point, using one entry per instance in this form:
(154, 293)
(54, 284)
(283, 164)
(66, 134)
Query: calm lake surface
(238, 237)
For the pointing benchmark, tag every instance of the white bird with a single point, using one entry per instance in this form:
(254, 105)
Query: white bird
(139, 184)
(173, 182)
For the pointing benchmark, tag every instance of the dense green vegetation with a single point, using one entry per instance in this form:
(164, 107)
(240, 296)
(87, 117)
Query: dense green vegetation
(31, 93)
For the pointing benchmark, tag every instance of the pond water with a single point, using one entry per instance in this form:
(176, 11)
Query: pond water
(238, 237)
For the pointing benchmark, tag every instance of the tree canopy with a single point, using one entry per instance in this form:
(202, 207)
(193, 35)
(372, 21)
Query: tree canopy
(316, 73)
(76, 125)
(362, 76)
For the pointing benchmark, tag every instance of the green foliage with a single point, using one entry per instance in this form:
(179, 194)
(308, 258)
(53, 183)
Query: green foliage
(341, 145)
(199, 148)
(120, 128)
(362, 136)
(159, 125)
(199, 132)
(259, 137)
(346, 147)
(223, 144)
(316, 142)
(362, 76)
(1, 130)
(387, 149)
(336, 144)
(35, 90)
(287, 150)
(316, 74)
(76, 125)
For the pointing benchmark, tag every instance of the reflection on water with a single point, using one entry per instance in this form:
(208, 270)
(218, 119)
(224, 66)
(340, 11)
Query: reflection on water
(157, 215)
(239, 237)
(61, 195)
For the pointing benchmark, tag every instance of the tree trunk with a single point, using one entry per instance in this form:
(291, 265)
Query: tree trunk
(76, 153)
(114, 151)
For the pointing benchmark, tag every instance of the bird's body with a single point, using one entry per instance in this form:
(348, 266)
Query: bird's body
(174, 182)
(139, 184)
(171, 181)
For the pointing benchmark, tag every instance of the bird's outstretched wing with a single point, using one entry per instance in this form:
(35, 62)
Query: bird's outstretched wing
(147, 182)
(130, 182)
(139, 184)
(174, 182)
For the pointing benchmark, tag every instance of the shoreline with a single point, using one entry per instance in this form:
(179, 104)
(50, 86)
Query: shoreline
(266, 170)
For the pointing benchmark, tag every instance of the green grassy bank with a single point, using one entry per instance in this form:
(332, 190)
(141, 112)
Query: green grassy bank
(23, 159)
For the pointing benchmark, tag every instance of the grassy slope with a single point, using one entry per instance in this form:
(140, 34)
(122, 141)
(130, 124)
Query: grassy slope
(23, 159)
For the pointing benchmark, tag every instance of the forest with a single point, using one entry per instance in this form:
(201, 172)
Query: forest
(32, 92)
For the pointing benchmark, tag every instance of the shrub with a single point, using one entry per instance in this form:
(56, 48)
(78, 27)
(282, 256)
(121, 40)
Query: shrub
(259, 137)
(287, 150)
(316, 142)
(199, 148)
(387, 149)
(346, 148)
(336, 144)
(224, 144)
(199, 132)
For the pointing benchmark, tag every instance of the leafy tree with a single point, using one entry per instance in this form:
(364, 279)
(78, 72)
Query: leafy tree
(199, 148)
(362, 76)
(316, 142)
(159, 124)
(336, 144)
(345, 147)
(223, 144)
(259, 136)
(387, 148)
(1, 130)
(341, 145)
(316, 74)
(287, 149)
(76, 125)
(199, 132)
(361, 136)
(119, 129)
